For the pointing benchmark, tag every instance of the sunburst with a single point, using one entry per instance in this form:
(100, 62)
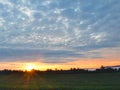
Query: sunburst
(30, 67)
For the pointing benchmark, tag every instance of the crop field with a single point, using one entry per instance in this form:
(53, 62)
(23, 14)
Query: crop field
(83, 81)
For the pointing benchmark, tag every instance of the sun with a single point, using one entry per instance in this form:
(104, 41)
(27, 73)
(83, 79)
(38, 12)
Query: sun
(30, 67)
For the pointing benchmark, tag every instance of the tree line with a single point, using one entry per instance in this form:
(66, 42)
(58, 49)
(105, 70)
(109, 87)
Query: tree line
(70, 71)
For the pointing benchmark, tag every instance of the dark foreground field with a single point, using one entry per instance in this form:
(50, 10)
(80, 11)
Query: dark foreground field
(83, 81)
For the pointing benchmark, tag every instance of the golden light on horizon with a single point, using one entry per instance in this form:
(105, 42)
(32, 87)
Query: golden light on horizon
(80, 63)
(29, 67)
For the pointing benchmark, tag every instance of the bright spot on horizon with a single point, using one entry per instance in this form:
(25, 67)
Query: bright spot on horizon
(30, 67)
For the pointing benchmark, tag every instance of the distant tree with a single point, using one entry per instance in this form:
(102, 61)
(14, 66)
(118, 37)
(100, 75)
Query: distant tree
(102, 67)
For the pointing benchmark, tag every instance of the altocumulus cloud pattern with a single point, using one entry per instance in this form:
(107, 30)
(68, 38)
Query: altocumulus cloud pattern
(57, 30)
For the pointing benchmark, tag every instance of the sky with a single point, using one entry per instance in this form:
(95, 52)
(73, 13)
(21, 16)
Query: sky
(59, 33)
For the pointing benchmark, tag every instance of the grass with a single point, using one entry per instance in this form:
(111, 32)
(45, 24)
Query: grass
(83, 81)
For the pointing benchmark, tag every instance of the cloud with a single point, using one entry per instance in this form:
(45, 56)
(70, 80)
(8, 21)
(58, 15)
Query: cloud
(41, 55)
(76, 26)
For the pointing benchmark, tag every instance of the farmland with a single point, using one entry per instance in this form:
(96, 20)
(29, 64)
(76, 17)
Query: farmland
(81, 81)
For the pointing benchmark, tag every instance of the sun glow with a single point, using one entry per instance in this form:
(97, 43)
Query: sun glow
(30, 67)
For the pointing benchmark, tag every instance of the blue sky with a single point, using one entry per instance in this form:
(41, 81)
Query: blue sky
(59, 31)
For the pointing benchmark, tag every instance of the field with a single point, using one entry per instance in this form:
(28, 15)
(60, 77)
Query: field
(83, 81)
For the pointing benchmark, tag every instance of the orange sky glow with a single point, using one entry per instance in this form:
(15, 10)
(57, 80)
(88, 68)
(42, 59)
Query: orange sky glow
(86, 63)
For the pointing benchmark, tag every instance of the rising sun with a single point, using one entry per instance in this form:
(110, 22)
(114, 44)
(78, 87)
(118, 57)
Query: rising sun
(30, 67)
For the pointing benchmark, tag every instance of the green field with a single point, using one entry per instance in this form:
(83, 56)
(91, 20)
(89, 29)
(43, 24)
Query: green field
(83, 81)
